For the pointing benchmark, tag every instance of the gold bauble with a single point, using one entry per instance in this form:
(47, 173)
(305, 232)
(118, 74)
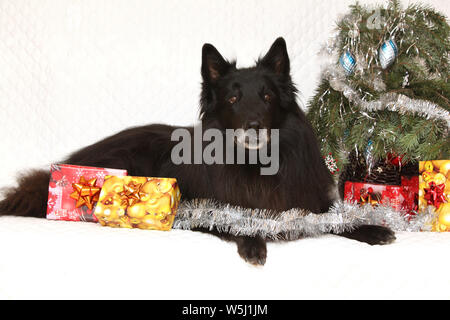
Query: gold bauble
(151, 188)
(445, 168)
(428, 176)
(439, 178)
(137, 210)
(447, 189)
(422, 203)
(149, 219)
(109, 214)
(436, 164)
(164, 186)
(444, 213)
(113, 184)
(428, 166)
(422, 187)
(162, 204)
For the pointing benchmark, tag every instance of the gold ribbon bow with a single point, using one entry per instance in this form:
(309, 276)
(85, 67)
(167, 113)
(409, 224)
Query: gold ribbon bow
(85, 192)
(131, 194)
(369, 197)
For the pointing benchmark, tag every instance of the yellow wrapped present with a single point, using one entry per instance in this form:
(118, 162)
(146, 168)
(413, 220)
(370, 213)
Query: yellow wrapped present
(434, 191)
(138, 202)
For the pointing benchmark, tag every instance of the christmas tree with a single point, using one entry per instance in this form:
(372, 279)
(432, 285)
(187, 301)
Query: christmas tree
(386, 91)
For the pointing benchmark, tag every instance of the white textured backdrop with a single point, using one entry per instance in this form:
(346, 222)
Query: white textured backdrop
(72, 72)
(75, 71)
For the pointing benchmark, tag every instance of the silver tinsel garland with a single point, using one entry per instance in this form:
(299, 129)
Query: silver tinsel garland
(388, 101)
(394, 27)
(294, 223)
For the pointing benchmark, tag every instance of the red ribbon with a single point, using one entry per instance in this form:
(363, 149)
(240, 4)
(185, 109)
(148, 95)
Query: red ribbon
(435, 194)
(416, 203)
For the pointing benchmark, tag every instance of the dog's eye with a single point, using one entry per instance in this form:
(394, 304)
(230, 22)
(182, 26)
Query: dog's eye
(232, 100)
(267, 97)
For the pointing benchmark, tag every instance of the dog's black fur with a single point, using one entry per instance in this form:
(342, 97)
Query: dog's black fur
(259, 97)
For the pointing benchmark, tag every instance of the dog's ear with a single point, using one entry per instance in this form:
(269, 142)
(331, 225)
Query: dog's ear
(276, 59)
(214, 65)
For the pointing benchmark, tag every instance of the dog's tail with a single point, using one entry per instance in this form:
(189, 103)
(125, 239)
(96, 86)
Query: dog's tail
(29, 198)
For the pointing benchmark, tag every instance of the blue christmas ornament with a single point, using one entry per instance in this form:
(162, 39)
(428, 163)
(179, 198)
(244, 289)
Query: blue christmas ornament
(369, 147)
(387, 53)
(348, 62)
(368, 154)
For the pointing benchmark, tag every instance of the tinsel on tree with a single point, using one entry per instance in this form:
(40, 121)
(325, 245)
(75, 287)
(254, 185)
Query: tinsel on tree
(386, 89)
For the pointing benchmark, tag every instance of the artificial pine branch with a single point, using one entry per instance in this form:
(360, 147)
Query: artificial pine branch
(419, 72)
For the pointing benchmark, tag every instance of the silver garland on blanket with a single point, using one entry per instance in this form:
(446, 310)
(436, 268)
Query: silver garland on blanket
(294, 223)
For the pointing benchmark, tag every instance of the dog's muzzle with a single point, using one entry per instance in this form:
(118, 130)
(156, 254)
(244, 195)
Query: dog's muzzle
(252, 139)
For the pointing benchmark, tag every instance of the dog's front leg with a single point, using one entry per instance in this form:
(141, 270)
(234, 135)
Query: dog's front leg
(252, 249)
(370, 234)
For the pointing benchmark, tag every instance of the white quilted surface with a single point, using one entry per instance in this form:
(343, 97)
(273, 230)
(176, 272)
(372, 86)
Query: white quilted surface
(57, 259)
(132, 62)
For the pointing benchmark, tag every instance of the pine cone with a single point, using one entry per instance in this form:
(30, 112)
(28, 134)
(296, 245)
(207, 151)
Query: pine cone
(354, 171)
(382, 172)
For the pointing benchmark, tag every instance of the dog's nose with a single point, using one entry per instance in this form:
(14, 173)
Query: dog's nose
(253, 125)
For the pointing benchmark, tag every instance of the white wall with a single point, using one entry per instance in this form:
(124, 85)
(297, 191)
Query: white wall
(73, 71)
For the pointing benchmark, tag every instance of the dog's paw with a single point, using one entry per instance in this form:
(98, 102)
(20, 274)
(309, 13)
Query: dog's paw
(371, 234)
(252, 250)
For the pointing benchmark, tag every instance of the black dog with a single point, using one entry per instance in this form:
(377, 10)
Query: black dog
(261, 97)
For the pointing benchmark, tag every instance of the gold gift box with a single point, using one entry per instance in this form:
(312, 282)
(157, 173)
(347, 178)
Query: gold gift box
(434, 179)
(138, 202)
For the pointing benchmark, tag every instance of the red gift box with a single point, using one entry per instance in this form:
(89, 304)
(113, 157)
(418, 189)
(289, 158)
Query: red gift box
(367, 193)
(74, 190)
(410, 188)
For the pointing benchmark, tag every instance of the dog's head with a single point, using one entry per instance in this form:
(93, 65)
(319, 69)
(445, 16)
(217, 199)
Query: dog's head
(248, 99)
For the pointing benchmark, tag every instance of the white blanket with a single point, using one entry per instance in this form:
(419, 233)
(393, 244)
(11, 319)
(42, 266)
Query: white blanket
(55, 259)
